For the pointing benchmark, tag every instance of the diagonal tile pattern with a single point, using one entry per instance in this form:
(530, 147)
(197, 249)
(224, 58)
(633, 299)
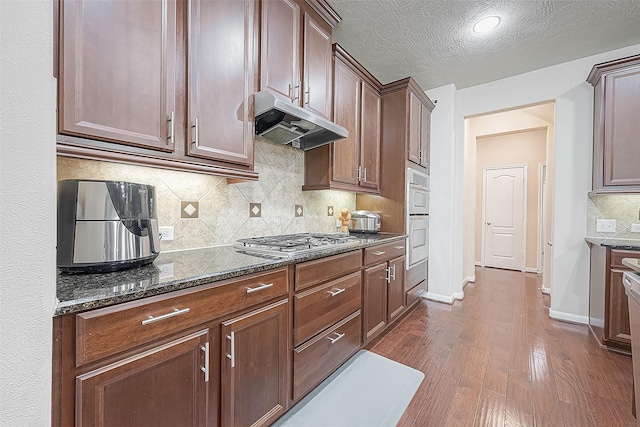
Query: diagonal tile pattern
(224, 209)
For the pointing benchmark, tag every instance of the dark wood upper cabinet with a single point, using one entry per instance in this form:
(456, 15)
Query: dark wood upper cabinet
(255, 361)
(317, 90)
(221, 80)
(419, 129)
(279, 48)
(295, 52)
(164, 385)
(346, 152)
(616, 136)
(116, 81)
(136, 76)
(352, 163)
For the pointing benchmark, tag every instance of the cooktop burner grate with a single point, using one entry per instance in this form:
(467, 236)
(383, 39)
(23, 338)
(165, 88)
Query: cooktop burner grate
(290, 244)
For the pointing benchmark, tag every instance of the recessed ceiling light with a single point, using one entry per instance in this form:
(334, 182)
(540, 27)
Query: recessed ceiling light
(486, 24)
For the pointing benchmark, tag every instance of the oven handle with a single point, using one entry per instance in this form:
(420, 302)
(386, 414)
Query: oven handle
(418, 186)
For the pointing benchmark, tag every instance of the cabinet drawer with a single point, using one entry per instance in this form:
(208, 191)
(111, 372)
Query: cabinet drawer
(318, 271)
(381, 253)
(416, 292)
(111, 330)
(315, 360)
(318, 308)
(618, 254)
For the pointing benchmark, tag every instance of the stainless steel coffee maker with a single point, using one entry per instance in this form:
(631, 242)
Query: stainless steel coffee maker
(105, 226)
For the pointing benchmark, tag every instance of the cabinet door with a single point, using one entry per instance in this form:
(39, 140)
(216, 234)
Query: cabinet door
(375, 300)
(280, 34)
(221, 80)
(346, 104)
(116, 80)
(622, 128)
(425, 136)
(370, 137)
(395, 298)
(618, 328)
(317, 94)
(415, 113)
(255, 355)
(166, 385)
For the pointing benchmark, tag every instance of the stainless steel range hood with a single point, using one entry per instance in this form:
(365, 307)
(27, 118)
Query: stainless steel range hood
(279, 120)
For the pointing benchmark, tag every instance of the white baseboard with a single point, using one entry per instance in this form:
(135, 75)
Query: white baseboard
(469, 279)
(568, 317)
(546, 290)
(458, 295)
(439, 298)
(531, 270)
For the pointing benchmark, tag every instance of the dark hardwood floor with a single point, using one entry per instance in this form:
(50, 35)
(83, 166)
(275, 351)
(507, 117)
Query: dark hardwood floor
(496, 358)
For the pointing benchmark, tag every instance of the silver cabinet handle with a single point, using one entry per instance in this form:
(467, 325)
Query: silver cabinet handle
(421, 291)
(359, 173)
(378, 253)
(337, 338)
(172, 126)
(174, 313)
(393, 275)
(231, 337)
(398, 247)
(388, 276)
(549, 243)
(297, 88)
(205, 368)
(365, 175)
(627, 281)
(195, 132)
(306, 96)
(488, 223)
(259, 288)
(337, 291)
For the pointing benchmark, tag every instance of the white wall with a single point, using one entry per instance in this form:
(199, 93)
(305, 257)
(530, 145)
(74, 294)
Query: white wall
(569, 298)
(27, 211)
(445, 215)
(573, 158)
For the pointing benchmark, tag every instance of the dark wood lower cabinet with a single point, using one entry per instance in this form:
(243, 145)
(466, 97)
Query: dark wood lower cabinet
(374, 300)
(395, 293)
(255, 380)
(165, 385)
(618, 328)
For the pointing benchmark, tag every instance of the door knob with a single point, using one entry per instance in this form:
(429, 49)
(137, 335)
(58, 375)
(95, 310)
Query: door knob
(488, 223)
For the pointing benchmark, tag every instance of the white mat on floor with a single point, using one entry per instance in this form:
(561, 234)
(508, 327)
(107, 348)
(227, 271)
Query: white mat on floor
(369, 390)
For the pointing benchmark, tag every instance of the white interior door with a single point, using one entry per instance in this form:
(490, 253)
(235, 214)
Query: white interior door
(504, 196)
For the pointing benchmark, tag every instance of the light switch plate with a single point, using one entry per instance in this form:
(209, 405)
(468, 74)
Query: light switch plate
(635, 228)
(606, 225)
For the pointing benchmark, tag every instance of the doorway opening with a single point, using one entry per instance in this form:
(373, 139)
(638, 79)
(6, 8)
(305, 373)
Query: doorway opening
(502, 140)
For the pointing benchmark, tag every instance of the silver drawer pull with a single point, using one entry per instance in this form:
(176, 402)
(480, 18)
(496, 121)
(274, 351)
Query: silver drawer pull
(337, 291)
(378, 253)
(398, 247)
(205, 368)
(174, 313)
(421, 291)
(627, 281)
(337, 338)
(259, 288)
(232, 356)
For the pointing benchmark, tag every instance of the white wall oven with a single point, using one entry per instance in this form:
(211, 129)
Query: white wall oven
(417, 187)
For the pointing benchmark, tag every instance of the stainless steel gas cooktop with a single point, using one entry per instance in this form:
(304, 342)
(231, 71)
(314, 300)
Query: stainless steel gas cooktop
(288, 245)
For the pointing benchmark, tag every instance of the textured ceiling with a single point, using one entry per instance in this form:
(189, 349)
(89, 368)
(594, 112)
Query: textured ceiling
(433, 41)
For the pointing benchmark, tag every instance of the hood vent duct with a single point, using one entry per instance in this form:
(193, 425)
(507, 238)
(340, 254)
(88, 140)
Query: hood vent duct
(281, 121)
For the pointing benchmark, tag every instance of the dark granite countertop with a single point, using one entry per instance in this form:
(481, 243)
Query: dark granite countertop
(172, 271)
(630, 244)
(632, 263)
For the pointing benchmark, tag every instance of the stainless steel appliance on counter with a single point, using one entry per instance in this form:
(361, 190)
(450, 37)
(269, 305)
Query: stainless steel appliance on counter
(105, 226)
(364, 222)
(417, 188)
(287, 245)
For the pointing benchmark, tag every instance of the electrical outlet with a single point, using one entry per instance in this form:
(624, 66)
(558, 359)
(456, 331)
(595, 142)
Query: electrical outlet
(166, 270)
(606, 225)
(166, 233)
(635, 228)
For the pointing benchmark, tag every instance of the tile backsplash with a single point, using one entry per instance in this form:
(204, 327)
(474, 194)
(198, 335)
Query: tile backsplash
(624, 208)
(223, 210)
